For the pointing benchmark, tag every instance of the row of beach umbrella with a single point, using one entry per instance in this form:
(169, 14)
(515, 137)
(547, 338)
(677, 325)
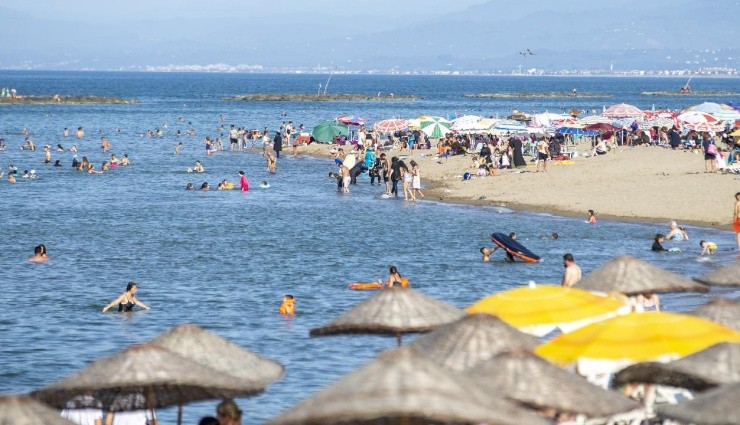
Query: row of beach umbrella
(482, 365)
(707, 116)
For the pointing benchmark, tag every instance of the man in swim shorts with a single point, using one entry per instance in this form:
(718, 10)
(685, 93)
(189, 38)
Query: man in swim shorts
(736, 219)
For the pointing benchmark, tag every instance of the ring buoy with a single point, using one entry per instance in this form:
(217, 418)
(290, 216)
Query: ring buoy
(366, 286)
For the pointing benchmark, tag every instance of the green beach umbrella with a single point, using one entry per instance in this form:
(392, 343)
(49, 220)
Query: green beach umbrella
(434, 127)
(324, 132)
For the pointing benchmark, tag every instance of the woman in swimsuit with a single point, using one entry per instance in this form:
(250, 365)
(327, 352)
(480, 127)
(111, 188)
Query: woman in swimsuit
(394, 278)
(127, 300)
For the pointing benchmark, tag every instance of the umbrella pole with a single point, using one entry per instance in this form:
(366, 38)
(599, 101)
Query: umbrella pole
(398, 338)
(179, 413)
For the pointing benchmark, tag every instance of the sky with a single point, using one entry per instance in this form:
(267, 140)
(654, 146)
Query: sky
(410, 35)
(98, 10)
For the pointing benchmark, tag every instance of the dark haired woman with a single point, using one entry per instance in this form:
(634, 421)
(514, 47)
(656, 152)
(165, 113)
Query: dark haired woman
(127, 300)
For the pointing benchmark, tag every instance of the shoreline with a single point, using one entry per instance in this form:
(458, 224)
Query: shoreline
(640, 184)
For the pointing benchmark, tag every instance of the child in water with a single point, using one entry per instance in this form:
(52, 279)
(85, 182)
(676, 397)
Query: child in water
(707, 248)
(287, 308)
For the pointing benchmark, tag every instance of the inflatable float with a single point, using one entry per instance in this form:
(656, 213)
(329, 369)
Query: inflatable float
(514, 248)
(367, 286)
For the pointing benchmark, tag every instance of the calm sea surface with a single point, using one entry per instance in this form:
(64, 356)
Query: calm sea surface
(223, 260)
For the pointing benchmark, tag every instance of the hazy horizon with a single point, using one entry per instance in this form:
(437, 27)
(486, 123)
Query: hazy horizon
(484, 35)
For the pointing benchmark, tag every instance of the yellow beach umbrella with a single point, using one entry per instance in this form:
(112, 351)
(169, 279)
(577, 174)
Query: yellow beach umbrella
(637, 337)
(539, 309)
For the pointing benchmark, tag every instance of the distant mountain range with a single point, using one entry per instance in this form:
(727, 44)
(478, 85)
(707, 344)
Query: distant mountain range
(629, 34)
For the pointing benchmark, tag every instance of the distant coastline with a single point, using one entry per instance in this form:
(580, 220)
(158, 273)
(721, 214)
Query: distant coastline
(524, 95)
(302, 97)
(64, 100)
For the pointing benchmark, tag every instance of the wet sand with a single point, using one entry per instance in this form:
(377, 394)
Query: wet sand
(647, 184)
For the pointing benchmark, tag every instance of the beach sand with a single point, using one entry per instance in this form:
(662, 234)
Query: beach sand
(641, 184)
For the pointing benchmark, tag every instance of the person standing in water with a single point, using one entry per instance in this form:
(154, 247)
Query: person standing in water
(572, 274)
(243, 182)
(591, 219)
(127, 300)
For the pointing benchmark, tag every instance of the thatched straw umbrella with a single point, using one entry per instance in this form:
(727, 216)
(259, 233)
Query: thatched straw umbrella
(471, 340)
(146, 377)
(725, 276)
(23, 410)
(402, 387)
(723, 311)
(528, 379)
(210, 350)
(719, 406)
(632, 276)
(717, 365)
(395, 311)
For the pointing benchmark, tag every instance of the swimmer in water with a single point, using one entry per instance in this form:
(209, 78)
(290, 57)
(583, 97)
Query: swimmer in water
(677, 233)
(591, 219)
(707, 248)
(11, 177)
(243, 182)
(190, 186)
(127, 300)
(509, 256)
(198, 168)
(204, 187)
(486, 253)
(58, 163)
(287, 308)
(39, 255)
(178, 147)
(73, 148)
(124, 160)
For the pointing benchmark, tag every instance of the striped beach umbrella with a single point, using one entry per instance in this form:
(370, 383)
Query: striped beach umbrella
(391, 125)
(623, 110)
(434, 127)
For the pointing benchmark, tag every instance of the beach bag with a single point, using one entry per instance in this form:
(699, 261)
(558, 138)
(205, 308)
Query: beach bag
(712, 149)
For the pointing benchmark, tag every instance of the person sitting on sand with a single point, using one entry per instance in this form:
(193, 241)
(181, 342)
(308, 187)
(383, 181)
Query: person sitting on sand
(127, 300)
(600, 148)
(677, 233)
(287, 308)
(39, 255)
(707, 247)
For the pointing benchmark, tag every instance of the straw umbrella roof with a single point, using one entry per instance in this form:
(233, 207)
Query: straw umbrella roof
(725, 276)
(723, 311)
(210, 350)
(23, 410)
(631, 276)
(473, 339)
(717, 365)
(146, 373)
(528, 379)
(715, 407)
(393, 310)
(401, 386)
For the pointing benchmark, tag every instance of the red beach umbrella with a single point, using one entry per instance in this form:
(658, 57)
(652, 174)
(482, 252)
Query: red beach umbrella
(623, 110)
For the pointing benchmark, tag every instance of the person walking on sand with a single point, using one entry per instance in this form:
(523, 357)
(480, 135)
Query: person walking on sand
(543, 154)
(572, 274)
(415, 180)
(736, 219)
(243, 182)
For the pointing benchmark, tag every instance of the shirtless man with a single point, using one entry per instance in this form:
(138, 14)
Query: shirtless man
(572, 273)
(38, 255)
(486, 253)
(736, 219)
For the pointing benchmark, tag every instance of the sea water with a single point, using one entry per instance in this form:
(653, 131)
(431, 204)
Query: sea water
(224, 260)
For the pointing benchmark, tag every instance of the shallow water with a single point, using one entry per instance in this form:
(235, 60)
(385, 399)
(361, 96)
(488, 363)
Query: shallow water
(223, 260)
